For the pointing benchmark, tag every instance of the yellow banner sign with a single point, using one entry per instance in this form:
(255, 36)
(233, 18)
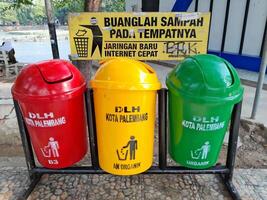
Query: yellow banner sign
(144, 36)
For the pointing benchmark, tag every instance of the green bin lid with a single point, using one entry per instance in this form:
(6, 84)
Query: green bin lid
(205, 77)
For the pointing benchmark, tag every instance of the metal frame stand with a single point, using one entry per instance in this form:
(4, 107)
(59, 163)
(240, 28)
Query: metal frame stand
(225, 171)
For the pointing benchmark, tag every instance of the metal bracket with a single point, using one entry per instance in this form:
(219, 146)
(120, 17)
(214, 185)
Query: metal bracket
(226, 172)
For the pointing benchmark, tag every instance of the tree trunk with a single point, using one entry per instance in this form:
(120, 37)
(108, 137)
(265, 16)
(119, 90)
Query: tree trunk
(85, 66)
(92, 5)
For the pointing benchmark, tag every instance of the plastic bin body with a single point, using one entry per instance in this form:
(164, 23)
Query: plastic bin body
(125, 115)
(202, 92)
(51, 98)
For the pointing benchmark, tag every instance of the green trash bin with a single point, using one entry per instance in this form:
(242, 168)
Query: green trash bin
(202, 92)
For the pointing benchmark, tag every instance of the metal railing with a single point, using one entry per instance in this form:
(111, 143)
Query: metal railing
(225, 171)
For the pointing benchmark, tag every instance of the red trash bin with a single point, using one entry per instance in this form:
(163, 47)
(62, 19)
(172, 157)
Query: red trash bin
(51, 97)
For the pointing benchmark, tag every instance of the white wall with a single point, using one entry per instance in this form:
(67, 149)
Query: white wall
(255, 23)
(235, 24)
(255, 26)
(217, 24)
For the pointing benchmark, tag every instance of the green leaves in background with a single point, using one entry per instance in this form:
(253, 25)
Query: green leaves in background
(32, 12)
(63, 7)
(23, 12)
(113, 6)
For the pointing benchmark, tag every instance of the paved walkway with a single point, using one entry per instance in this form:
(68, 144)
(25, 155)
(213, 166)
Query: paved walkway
(251, 184)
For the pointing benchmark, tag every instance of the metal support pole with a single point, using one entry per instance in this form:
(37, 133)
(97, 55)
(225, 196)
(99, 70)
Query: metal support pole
(86, 68)
(52, 28)
(260, 78)
(233, 139)
(28, 152)
(25, 139)
(231, 189)
(162, 118)
(226, 172)
(231, 152)
(92, 128)
(150, 5)
(152, 170)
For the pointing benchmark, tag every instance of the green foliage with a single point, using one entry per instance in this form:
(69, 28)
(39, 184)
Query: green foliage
(114, 5)
(14, 4)
(39, 14)
(6, 16)
(30, 12)
(24, 15)
(70, 4)
(25, 12)
(63, 7)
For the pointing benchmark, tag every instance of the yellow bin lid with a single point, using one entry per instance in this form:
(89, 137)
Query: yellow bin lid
(126, 74)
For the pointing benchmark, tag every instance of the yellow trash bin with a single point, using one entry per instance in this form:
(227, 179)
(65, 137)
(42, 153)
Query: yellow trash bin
(125, 101)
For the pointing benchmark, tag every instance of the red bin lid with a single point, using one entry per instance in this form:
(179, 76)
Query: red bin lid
(51, 79)
(55, 72)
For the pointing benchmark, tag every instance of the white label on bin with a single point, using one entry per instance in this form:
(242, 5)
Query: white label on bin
(44, 120)
(197, 163)
(199, 155)
(51, 151)
(201, 152)
(202, 123)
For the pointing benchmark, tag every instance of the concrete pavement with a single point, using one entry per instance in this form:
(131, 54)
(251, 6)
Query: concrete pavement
(251, 184)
